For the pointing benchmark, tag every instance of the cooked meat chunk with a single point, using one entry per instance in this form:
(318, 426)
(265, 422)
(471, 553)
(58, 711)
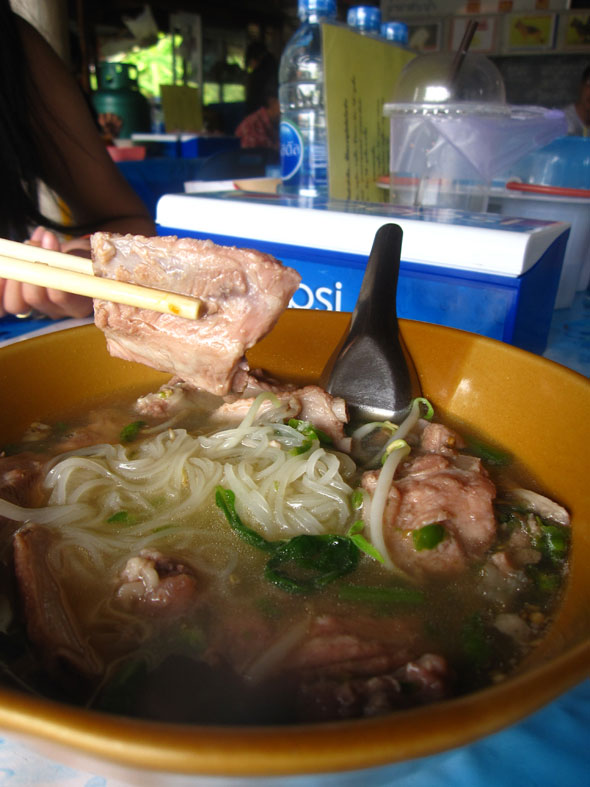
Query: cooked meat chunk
(156, 585)
(243, 292)
(20, 476)
(361, 646)
(439, 439)
(51, 624)
(435, 489)
(325, 412)
(426, 679)
(541, 505)
(310, 403)
(514, 626)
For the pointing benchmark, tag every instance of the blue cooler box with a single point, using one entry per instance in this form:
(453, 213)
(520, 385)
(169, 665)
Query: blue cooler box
(185, 145)
(485, 273)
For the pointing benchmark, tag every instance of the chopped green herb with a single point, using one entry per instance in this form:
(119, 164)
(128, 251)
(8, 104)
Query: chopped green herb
(510, 519)
(122, 518)
(428, 537)
(309, 430)
(545, 581)
(301, 449)
(356, 499)
(474, 640)
(488, 453)
(130, 432)
(554, 540)
(225, 499)
(307, 563)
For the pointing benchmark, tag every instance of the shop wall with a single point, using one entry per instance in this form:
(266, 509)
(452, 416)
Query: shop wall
(541, 80)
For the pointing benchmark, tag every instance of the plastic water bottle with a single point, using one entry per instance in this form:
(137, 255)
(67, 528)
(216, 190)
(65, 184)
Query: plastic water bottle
(304, 146)
(365, 19)
(396, 32)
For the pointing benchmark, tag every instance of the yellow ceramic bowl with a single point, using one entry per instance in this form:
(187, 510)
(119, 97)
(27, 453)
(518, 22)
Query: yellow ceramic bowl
(533, 406)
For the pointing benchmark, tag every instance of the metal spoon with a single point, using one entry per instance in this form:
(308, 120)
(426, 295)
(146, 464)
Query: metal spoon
(372, 370)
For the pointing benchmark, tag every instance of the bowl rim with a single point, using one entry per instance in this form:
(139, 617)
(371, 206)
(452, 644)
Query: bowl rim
(291, 749)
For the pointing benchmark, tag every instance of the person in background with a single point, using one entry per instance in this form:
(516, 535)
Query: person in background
(48, 135)
(578, 113)
(260, 129)
(262, 67)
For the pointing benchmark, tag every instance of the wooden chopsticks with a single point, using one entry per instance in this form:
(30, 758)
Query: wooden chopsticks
(70, 273)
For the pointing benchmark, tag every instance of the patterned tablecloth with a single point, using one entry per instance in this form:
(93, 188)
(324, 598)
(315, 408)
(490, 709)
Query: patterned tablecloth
(550, 748)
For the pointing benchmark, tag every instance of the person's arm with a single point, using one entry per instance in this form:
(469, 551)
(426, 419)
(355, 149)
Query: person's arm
(77, 164)
(78, 168)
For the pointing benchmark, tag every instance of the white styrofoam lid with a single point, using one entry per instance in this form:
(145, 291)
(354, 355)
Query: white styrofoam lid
(491, 243)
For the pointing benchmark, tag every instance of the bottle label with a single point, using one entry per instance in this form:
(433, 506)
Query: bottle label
(291, 150)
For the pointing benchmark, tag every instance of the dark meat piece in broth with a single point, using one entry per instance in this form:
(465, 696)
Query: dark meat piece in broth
(243, 292)
(156, 585)
(365, 667)
(51, 624)
(360, 646)
(418, 682)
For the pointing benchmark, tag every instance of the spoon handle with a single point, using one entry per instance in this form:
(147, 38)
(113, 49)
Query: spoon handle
(372, 371)
(376, 307)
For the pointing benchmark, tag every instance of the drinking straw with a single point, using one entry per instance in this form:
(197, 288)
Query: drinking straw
(462, 50)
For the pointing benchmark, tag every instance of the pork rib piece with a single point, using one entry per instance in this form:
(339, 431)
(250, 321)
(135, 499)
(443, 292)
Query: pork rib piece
(243, 292)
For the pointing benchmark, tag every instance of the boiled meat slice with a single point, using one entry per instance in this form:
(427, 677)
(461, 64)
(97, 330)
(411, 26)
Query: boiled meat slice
(243, 294)
(455, 492)
(51, 623)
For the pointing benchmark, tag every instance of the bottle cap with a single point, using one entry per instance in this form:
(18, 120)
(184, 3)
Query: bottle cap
(321, 7)
(395, 31)
(366, 18)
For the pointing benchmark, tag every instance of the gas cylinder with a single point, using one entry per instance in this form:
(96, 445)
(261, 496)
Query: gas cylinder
(118, 93)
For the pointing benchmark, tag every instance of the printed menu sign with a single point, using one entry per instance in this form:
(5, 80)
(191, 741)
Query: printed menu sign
(360, 74)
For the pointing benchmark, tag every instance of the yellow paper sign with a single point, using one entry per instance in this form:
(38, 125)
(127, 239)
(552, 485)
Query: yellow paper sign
(360, 73)
(182, 108)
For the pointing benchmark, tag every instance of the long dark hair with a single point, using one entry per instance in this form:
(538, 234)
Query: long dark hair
(21, 130)
(20, 164)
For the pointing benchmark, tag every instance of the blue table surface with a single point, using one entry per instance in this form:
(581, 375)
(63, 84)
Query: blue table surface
(551, 747)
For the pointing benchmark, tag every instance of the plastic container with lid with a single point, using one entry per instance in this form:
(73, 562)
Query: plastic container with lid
(553, 182)
(451, 131)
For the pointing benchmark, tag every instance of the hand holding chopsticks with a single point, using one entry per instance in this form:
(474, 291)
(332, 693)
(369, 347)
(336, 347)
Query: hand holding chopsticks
(48, 268)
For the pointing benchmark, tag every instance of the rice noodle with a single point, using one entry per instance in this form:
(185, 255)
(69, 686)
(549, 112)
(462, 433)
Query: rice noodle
(276, 653)
(111, 496)
(379, 501)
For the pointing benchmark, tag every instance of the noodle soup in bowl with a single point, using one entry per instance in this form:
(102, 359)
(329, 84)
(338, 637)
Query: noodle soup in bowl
(528, 406)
